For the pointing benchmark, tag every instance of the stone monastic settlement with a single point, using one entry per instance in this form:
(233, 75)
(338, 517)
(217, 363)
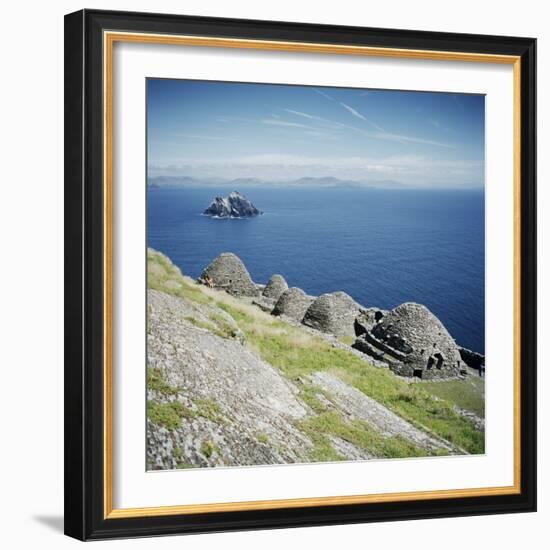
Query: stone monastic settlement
(216, 397)
(333, 313)
(409, 339)
(227, 272)
(293, 303)
(413, 340)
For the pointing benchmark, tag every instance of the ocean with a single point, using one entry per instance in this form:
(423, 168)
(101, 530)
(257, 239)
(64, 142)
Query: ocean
(382, 247)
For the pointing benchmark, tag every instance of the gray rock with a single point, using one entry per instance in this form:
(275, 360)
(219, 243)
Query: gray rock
(236, 409)
(228, 272)
(275, 287)
(333, 313)
(354, 404)
(293, 303)
(265, 304)
(234, 205)
(414, 335)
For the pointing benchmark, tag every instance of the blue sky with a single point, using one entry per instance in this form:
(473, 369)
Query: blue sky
(280, 133)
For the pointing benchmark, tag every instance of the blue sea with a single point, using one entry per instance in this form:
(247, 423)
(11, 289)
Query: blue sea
(383, 247)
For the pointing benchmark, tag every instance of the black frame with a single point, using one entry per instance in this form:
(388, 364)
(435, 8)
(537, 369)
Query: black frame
(84, 274)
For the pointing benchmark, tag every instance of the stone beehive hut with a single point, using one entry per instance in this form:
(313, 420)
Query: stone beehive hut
(333, 313)
(417, 339)
(228, 272)
(293, 303)
(367, 318)
(275, 287)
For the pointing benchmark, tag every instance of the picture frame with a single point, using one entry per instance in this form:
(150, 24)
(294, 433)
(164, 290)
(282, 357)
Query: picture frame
(90, 292)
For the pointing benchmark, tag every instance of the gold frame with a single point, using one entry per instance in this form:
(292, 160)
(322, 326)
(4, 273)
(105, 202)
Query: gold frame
(109, 39)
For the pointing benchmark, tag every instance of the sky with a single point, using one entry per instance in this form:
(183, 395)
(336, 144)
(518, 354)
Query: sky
(280, 133)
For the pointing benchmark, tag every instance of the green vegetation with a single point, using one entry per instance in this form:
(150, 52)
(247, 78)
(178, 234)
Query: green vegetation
(209, 409)
(361, 434)
(168, 414)
(348, 340)
(208, 448)
(467, 394)
(156, 381)
(311, 395)
(163, 275)
(181, 464)
(219, 326)
(297, 353)
(262, 438)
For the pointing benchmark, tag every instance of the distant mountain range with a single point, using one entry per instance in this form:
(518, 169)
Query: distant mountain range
(327, 181)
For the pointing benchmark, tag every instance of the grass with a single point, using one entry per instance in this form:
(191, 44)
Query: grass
(209, 409)
(208, 448)
(275, 342)
(168, 414)
(297, 353)
(357, 432)
(163, 275)
(156, 381)
(224, 332)
(467, 394)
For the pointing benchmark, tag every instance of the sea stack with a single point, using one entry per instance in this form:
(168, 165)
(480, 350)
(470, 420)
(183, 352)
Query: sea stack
(235, 205)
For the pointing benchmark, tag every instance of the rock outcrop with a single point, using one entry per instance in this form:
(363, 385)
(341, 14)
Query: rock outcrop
(473, 359)
(235, 205)
(413, 339)
(355, 404)
(334, 313)
(265, 304)
(275, 287)
(221, 404)
(228, 272)
(293, 303)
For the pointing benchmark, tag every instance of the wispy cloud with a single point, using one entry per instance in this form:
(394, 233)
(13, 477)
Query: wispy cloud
(275, 122)
(305, 115)
(357, 114)
(203, 137)
(325, 95)
(380, 132)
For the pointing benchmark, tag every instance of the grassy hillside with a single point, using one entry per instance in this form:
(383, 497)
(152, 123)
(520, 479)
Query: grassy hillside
(467, 394)
(297, 354)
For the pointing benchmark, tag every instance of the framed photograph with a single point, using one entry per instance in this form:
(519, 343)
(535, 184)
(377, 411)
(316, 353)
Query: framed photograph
(300, 274)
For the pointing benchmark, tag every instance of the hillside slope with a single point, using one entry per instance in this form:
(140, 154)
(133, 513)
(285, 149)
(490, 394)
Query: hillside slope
(231, 385)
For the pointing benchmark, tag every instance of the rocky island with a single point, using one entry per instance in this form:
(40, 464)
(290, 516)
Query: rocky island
(235, 205)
